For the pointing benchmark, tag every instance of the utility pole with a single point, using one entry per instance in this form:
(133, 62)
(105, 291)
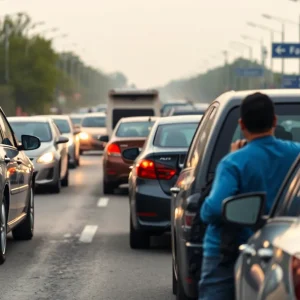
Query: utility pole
(6, 59)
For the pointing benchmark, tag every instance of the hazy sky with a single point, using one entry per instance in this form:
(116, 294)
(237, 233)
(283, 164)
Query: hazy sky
(155, 41)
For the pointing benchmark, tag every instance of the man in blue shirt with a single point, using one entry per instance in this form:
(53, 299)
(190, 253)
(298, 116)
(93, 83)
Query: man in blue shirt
(259, 163)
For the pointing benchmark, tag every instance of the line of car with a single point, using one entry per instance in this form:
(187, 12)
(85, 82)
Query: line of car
(166, 181)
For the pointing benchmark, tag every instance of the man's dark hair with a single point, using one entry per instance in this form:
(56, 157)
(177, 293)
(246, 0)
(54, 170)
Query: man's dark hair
(257, 113)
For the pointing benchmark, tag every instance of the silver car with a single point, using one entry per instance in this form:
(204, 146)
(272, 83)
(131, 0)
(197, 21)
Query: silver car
(51, 159)
(65, 126)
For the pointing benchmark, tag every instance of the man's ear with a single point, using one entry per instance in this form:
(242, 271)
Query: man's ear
(275, 121)
(242, 125)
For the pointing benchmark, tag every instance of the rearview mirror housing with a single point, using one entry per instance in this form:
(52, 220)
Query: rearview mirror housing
(244, 209)
(29, 142)
(104, 138)
(131, 153)
(62, 140)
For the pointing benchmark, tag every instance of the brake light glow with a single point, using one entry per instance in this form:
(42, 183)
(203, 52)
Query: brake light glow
(113, 150)
(296, 276)
(147, 168)
(188, 219)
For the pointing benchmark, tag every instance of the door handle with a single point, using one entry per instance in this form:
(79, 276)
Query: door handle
(247, 250)
(6, 159)
(265, 253)
(175, 190)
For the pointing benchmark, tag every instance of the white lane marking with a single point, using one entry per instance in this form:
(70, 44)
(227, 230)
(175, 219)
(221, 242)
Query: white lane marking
(88, 233)
(102, 202)
(67, 235)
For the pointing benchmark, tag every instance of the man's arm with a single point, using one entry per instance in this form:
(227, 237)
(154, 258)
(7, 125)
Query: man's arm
(225, 185)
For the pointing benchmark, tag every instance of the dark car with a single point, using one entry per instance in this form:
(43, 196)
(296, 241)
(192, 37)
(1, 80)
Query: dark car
(16, 185)
(128, 133)
(167, 106)
(154, 172)
(188, 110)
(269, 264)
(217, 130)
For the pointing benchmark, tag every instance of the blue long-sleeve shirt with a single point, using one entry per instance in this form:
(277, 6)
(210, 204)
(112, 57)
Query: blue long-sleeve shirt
(260, 166)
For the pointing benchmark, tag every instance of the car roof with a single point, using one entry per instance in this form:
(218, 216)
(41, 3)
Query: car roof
(38, 119)
(94, 114)
(138, 119)
(62, 117)
(235, 97)
(76, 115)
(179, 119)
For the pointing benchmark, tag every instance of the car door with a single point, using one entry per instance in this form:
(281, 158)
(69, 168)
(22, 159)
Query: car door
(256, 254)
(10, 157)
(62, 149)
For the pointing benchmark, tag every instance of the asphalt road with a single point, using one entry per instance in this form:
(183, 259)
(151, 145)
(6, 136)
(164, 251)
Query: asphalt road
(80, 249)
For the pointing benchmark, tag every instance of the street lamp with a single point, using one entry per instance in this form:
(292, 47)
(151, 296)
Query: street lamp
(245, 46)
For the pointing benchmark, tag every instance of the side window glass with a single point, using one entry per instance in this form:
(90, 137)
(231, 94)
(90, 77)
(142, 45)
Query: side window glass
(201, 139)
(7, 133)
(287, 201)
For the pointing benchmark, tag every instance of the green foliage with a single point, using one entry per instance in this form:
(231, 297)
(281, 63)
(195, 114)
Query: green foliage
(206, 87)
(37, 75)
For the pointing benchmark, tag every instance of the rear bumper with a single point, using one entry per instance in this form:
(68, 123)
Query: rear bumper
(150, 207)
(115, 170)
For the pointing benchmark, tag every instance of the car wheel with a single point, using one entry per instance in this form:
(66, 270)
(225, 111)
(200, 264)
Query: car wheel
(65, 180)
(138, 240)
(78, 161)
(3, 232)
(108, 188)
(57, 185)
(24, 231)
(174, 280)
(80, 152)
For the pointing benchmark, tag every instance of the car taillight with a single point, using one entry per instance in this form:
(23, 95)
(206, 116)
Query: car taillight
(113, 150)
(147, 168)
(188, 219)
(296, 276)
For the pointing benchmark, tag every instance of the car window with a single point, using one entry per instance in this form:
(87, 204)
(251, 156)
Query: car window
(199, 142)
(94, 122)
(76, 121)
(38, 129)
(6, 131)
(292, 208)
(175, 135)
(63, 125)
(287, 128)
(134, 129)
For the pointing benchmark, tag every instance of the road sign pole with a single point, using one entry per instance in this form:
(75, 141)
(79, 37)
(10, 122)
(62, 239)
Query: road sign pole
(282, 40)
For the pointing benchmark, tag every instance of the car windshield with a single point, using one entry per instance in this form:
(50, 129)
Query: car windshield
(94, 122)
(175, 135)
(76, 121)
(134, 129)
(39, 129)
(63, 125)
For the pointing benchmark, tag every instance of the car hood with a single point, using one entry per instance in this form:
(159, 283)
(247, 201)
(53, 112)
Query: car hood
(93, 131)
(45, 147)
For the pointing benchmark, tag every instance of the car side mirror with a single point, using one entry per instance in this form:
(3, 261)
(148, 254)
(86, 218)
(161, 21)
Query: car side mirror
(29, 142)
(131, 153)
(244, 209)
(104, 138)
(62, 140)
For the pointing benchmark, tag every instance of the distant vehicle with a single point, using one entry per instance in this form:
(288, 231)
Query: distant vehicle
(130, 103)
(170, 104)
(16, 185)
(129, 132)
(93, 126)
(185, 110)
(155, 170)
(64, 124)
(269, 263)
(101, 108)
(76, 120)
(201, 106)
(51, 159)
(217, 130)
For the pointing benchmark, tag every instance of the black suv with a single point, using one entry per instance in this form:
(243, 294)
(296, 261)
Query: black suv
(216, 131)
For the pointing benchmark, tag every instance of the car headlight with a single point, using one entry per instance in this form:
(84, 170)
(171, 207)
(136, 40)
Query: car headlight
(83, 136)
(46, 158)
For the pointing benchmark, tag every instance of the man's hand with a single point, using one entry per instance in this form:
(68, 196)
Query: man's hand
(238, 145)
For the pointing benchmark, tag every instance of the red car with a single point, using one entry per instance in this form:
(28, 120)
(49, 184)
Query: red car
(128, 133)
